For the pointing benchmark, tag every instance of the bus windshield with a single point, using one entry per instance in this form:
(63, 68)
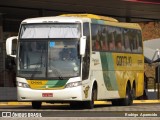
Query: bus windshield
(49, 58)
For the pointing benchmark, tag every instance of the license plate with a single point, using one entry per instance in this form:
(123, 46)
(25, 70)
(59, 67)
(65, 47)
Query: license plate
(47, 94)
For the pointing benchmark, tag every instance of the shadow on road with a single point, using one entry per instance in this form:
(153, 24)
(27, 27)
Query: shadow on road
(49, 107)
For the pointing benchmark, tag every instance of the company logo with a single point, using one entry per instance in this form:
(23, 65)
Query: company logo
(95, 61)
(6, 114)
(21, 114)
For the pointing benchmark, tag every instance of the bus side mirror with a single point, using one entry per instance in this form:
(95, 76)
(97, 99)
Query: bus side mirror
(9, 45)
(83, 46)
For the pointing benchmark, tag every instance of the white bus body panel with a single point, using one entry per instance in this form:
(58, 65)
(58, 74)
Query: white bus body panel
(28, 94)
(97, 74)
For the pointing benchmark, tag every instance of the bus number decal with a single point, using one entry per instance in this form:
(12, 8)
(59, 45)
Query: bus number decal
(124, 60)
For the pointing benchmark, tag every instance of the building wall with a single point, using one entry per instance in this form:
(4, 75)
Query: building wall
(150, 30)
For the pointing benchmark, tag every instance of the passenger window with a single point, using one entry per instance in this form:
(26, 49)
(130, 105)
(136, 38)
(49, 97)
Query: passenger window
(127, 41)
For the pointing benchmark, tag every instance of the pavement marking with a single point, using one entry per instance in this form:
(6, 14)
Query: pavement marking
(146, 101)
(96, 102)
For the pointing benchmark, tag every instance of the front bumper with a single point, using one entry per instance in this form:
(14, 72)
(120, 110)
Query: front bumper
(67, 94)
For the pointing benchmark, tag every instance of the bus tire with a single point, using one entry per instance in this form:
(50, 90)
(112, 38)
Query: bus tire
(90, 104)
(128, 100)
(36, 105)
(115, 102)
(133, 93)
(76, 104)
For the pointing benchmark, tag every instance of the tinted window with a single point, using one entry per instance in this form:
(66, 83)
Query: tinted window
(116, 39)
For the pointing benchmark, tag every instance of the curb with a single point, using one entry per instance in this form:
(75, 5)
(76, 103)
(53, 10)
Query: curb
(96, 102)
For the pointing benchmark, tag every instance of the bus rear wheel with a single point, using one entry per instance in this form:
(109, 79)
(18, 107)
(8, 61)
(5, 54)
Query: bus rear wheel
(128, 100)
(36, 104)
(133, 93)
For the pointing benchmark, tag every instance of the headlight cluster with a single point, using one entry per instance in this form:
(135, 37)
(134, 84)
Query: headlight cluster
(73, 84)
(24, 85)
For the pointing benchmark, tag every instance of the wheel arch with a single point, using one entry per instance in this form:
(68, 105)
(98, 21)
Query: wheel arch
(94, 85)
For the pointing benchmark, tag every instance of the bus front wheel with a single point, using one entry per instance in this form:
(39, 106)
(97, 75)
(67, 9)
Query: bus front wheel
(36, 104)
(90, 104)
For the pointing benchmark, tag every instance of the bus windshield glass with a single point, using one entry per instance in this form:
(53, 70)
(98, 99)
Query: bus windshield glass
(67, 30)
(49, 59)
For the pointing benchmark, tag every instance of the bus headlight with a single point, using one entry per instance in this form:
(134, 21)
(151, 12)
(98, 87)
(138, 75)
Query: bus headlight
(24, 85)
(73, 84)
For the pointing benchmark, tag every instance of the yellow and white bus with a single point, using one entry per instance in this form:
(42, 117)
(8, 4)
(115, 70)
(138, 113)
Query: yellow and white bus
(78, 58)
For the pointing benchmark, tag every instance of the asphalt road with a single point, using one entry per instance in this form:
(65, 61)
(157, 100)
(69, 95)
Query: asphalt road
(149, 111)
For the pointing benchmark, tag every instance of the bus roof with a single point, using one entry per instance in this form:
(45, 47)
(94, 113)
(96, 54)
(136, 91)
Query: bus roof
(124, 25)
(92, 16)
(75, 18)
(105, 20)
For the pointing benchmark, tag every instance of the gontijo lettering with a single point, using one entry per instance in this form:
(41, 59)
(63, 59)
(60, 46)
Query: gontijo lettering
(124, 60)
